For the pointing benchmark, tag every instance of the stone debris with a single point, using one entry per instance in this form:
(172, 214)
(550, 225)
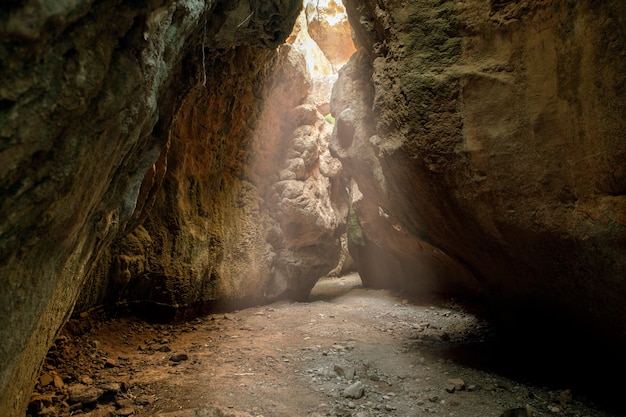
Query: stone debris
(110, 387)
(46, 379)
(58, 382)
(124, 412)
(84, 394)
(346, 372)
(179, 357)
(210, 411)
(565, 397)
(102, 411)
(354, 391)
(455, 384)
(110, 363)
(526, 411)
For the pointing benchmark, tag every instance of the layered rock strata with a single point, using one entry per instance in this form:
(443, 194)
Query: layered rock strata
(486, 140)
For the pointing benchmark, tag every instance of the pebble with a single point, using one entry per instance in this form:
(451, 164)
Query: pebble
(145, 399)
(104, 411)
(179, 357)
(111, 387)
(80, 393)
(58, 382)
(354, 391)
(46, 379)
(566, 397)
(124, 412)
(455, 384)
(43, 400)
(123, 403)
(346, 372)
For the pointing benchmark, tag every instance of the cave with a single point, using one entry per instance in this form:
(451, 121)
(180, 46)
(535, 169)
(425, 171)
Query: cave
(180, 161)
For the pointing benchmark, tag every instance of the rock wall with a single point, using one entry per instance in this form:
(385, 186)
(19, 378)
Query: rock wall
(250, 209)
(486, 140)
(88, 92)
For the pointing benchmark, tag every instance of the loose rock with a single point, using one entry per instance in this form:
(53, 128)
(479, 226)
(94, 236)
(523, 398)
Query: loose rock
(46, 379)
(79, 393)
(179, 357)
(354, 391)
(455, 384)
(347, 372)
(58, 382)
(124, 412)
(111, 387)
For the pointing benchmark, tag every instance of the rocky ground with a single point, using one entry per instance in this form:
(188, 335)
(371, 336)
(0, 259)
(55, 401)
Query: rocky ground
(349, 351)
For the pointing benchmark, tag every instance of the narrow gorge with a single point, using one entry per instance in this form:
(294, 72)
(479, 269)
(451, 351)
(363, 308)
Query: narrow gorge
(177, 158)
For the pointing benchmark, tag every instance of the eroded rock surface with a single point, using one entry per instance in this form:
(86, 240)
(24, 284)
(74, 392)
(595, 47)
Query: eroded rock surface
(328, 26)
(487, 141)
(88, 92)
(252, 206)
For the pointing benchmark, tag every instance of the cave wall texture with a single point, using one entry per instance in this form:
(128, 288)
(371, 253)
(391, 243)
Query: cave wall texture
(251, 205)
(140, 162)
(486, 140)
(247, 212)
(88, 95)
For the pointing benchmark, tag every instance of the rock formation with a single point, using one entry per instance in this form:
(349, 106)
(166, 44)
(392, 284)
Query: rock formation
(251, 208)
(167, 153)
(88, 93)
(328, 26)
(486, 141)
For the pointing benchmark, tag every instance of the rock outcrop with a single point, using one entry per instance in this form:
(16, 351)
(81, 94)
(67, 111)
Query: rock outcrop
(327, 24)
(486, 140)
(168, 154)
(88, 93)
(251, 207)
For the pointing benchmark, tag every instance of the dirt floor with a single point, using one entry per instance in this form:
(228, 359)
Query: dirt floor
(349, 351)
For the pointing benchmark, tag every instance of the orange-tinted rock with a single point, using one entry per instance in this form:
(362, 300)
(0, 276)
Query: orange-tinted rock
(328, 26)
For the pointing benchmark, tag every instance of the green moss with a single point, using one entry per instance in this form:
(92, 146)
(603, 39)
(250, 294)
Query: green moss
(329, 118)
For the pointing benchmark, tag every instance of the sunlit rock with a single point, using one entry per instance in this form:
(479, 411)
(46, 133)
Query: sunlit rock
(328, 26)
